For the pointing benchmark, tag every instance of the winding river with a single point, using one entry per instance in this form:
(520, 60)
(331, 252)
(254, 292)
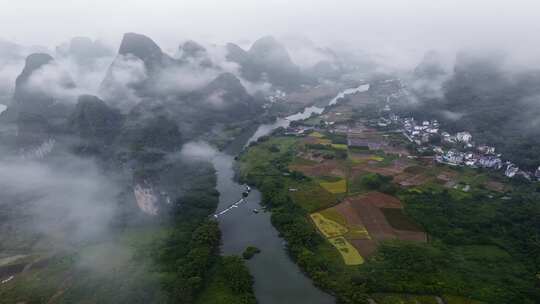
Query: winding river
(277, 279)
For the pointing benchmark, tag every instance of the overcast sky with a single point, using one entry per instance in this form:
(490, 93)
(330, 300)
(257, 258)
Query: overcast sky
(376, 24)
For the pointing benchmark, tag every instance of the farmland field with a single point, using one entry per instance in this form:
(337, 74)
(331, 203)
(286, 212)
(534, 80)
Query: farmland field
(327, 167)
(355, 229)
(398, 220)
(328, 227)
(311, 196)
(338, 231)
(316, 135)
(335, 187)
(398, 262)
(348, 252)
(368, 210)
(339, 146)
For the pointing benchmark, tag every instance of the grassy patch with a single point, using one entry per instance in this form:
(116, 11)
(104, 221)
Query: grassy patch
(404, 299)
(260, 156)
(359, 149)
(339, 146)
(329, 178)
(335, 187)
(311, 196)
(459, 300)
(377, 158)
(316, 135)
(299, 161)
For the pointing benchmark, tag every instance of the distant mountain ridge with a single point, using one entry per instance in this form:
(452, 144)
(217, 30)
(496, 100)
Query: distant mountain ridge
(267, 61)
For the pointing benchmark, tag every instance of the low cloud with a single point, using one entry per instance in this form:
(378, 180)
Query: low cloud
(88, 77)
(8, 74)
(198, 151)
(53, 80)
(453, 116)
(118, 86)
(184, 78)
(430, 88)
(67, 201)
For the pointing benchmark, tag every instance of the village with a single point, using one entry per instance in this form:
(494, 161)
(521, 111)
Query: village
(455, 149)
(428, 139)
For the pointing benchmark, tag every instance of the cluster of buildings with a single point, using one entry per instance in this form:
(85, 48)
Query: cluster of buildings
(452, 149)
(38, 152)
(276, 96)
(460, 150)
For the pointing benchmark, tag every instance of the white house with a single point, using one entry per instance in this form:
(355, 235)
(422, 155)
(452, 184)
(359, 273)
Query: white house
(464, 137)
(485, 149)
(490, 162)
(511, 170)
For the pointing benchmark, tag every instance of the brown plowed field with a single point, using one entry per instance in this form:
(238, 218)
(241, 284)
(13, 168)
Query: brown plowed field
(395, 150)
(495, 186)
(397, 167)
(366, 210)
(328, 167)
(364, 247)
(408, 180)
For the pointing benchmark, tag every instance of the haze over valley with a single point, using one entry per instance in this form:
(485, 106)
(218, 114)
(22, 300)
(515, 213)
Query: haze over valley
(269, 152)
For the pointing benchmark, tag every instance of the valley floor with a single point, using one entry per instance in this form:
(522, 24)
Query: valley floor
(387, 226)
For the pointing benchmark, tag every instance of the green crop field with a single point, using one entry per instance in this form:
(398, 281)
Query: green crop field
(328, 227)
(339, 146)
(335, 187)
(311, 196)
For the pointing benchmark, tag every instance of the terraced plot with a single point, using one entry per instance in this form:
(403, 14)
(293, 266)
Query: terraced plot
(338, 231)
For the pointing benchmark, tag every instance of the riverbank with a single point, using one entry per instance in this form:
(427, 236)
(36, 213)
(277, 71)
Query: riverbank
(276, 278)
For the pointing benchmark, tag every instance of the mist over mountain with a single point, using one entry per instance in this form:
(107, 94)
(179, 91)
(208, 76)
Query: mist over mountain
(267, 60)
(83, 50)
(192, 51)
(269, 152)
(92, 119)
(483, 93)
